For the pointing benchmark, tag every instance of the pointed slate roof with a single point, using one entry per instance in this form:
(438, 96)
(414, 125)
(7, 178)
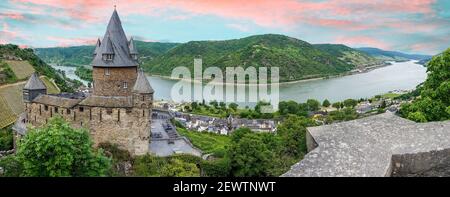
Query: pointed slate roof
(34, 83)
(142, 85)
(107, 47)
(133, 49)
(97, 47)
(119, 46)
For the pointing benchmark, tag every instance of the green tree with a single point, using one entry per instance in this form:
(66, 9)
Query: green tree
(434, 94)
(417, 116)
(336, 105)
(293, 134)
(288, 107)
(222, 105)
(6, 139)
(239, 133)
(326, 103)
(179, 168)
(194, 106)
(59, 150)
(350, 103)
(250, 156)
(11, 166)
(313, 105)
(233, 106)
(214, 103)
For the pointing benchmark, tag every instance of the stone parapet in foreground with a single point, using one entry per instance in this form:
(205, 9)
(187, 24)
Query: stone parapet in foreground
(376, 146)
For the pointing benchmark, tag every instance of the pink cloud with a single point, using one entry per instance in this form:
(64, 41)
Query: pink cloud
(359, 41)
(15, 16)
(7, 35)
(66, 42)
(344, 14)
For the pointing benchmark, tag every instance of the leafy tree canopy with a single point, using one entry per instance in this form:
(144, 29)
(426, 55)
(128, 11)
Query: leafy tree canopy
(57, 149)
(434, 101)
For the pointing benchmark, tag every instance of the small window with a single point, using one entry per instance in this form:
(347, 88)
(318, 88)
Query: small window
(81, 109)
(108, 57)
(143, 97)
(45, 107)
(68, 111)
(125, 85)
(109, 111)
(56, 109)
(128, 110)
(107, 73)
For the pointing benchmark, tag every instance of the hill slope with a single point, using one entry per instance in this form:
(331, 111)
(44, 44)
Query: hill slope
(82, 55)
(392, 55)
(297, 59)
(349, 55)
(26, 57)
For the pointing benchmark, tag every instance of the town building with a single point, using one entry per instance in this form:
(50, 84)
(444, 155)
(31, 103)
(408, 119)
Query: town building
(118, 110)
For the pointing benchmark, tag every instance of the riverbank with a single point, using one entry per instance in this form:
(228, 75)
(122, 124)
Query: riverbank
(352, 72)
(377, 80)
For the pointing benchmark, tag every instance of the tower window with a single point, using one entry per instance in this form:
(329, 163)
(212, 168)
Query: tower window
(108, 57)
(125, 85)
(107, 73)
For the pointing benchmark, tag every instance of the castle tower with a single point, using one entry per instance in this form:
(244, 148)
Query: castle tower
(33, 88)
(142, 92)
(115, 64)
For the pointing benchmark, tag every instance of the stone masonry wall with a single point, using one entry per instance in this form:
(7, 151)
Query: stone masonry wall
(112, 84)
(128, 128)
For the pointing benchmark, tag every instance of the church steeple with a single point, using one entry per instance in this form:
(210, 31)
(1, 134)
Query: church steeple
(115, 49)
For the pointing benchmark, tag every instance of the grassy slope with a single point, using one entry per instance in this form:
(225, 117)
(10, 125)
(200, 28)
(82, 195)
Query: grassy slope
(11, 100)
(7, 115)
(39, 66)
(297, 59)
(392, 55)
(207, 142)
(349, 55)
(52, 88)
(22, 69)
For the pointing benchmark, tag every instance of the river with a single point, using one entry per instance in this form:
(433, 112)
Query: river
(398, 76)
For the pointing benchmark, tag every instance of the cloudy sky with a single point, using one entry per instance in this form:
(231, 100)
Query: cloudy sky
(417, 26)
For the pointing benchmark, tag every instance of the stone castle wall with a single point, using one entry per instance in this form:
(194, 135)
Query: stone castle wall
(129, 128)
(113, 84)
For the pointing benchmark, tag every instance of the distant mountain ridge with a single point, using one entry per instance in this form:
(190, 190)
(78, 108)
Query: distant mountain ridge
(297, 59)
(349, 55)
(392, 55)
